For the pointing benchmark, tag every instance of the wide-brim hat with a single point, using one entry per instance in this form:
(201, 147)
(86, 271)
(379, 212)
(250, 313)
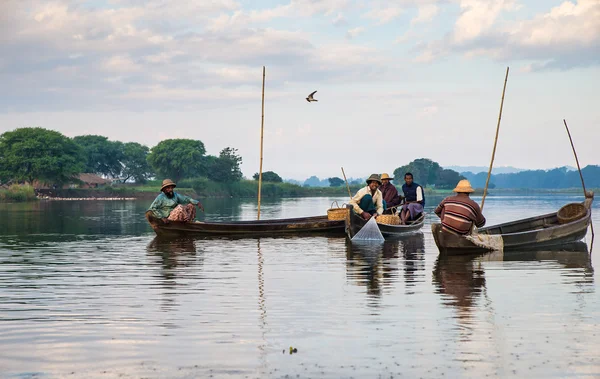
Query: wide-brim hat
(386, 176)
(374, 177)
(167, 183)
(463, 186)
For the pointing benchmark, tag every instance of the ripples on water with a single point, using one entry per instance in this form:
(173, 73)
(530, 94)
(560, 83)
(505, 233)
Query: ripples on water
(89, 298)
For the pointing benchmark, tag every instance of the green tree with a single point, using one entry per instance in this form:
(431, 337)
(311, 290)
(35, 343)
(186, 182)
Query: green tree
(135, 162)
(178, 158)
(226, 167)
(427, 172)
(102, 156)
(29, 154)
(335, 181)
(269, 176)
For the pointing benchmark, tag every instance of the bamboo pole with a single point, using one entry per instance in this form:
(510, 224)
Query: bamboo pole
(347, 186)
(262, 125)
(487, 181)
(580, 175)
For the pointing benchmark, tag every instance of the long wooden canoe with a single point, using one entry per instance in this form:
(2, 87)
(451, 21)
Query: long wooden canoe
(354, 223)
(315, 224)
(533, 232)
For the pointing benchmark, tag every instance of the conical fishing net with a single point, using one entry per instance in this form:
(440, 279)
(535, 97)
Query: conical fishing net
(369, 232)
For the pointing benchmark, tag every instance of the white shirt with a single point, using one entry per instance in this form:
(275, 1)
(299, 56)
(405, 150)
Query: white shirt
(377, 200)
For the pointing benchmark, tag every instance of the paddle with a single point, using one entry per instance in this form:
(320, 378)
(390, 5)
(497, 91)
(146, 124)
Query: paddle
(582, 182)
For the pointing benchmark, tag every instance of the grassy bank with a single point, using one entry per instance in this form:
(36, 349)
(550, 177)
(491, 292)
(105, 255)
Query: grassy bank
(17, 193)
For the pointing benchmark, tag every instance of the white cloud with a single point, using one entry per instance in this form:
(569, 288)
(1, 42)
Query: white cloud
(566, 36)
(478, 16)
(339, 20)
(426, 14)
(384, 15)
(355, 32)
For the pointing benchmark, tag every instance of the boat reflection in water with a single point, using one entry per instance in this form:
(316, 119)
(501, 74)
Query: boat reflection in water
(461, 278)
(178, 259)
(376, 265)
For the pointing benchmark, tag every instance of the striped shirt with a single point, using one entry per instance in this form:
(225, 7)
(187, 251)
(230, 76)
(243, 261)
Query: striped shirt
(459, 213)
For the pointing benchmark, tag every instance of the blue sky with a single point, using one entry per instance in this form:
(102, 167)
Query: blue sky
(396, 80)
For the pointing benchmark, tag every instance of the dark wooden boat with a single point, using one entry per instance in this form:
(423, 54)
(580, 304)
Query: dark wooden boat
(534, 232)
(355, 223)
(316, 224)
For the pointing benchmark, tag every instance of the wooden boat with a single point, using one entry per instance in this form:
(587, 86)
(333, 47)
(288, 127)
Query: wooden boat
(354, 223)
(534, 232)
(315, 224)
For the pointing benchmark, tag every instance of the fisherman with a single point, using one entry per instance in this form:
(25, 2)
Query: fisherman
(368, 201)
(171, 206)
(389, 193)
(458, 213)
(414, 199)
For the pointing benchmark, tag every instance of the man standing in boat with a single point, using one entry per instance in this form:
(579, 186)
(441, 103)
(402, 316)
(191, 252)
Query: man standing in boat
(171, 206)
(390, 195)
(414, 199)
(368, 201)
(458, 213)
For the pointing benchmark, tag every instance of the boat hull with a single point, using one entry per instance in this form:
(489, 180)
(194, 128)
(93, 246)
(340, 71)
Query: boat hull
(258, 228)
(535, 232)
(355, 223)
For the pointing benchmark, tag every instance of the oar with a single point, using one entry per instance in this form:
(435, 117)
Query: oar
(347, 186)
(487, 181)
(581, 176)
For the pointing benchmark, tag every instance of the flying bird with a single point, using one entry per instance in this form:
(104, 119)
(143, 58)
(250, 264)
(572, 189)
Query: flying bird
(310, 97)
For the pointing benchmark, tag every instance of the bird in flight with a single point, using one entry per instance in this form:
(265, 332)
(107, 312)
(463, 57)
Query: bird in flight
(310, 97)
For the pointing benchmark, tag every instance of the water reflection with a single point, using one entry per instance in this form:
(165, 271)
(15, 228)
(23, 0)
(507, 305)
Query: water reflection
(461, 278)
(178, 260)
(413, 252)
(375, 265)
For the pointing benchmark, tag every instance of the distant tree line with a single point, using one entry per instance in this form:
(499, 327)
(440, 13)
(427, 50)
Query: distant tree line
(548, 179)
(47, 156)
(428, 173)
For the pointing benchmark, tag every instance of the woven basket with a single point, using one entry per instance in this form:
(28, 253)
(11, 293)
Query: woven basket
(388, 219)
(337, 213)
(571, 212)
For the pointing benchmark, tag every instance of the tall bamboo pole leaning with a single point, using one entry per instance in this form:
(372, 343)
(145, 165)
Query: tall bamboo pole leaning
(262, 126)
(346, 180)
(487, 181)
(580, 173)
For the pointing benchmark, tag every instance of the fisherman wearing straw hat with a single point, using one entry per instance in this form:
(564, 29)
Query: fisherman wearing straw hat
(368, 201)
(458, 213)
(171, 206)
(389, 192)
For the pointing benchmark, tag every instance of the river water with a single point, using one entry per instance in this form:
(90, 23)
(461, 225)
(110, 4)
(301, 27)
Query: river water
(87, 290)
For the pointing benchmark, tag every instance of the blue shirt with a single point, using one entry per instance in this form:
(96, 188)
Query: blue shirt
(162, 205)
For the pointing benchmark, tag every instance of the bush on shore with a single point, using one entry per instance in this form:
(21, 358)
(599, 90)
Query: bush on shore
(17, 193)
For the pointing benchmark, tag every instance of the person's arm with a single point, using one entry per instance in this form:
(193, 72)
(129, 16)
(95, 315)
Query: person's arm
(395, 200)
(182, 199)
(379, 204)
(157, 208)
(419, 195)
(480, 220)
(439, 209)
(355, 200)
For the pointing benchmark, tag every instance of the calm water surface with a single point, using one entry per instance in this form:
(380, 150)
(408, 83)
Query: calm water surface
(87, 290)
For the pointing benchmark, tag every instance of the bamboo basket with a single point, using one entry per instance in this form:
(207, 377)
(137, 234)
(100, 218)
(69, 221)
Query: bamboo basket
(338, 213)
(393, 219)
(570, 212)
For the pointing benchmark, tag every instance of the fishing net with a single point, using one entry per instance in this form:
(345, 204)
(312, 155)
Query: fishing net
(487, 241)
(369, 232)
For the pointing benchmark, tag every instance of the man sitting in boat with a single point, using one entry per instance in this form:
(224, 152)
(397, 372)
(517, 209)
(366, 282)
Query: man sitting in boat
(389, 193)
(458, 213)
(368, 201)
(414, 199)
(171, 206)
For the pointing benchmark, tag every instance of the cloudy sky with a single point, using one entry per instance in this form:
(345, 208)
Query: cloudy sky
(396, 79)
